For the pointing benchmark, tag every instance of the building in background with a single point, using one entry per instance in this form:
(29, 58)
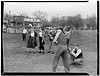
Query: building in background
(21, 21)
(17, 21)
(33, 21)
(15, 24)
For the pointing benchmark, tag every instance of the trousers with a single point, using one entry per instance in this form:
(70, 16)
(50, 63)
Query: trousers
(76, 60)
(41, 46)
(24, 36)
(67, 40)
(61, 52)
(51, 45)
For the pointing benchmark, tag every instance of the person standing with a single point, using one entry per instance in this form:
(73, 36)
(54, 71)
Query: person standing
(35, 38)
(24, 34)
(29, 40)
(60, 40)
(68, 34)
(32, 39)
(41, 42)
(51, 37)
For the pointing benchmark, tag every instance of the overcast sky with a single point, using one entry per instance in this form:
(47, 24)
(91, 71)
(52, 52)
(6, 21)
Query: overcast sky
(52, 9)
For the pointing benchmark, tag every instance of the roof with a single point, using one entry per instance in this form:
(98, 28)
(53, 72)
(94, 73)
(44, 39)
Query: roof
(26, 19)
(18, 18)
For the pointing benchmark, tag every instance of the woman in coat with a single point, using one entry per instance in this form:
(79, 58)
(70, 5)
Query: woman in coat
(32, 39)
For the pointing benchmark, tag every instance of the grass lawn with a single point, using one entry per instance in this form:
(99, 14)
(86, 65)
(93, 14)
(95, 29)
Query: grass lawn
(17, 58)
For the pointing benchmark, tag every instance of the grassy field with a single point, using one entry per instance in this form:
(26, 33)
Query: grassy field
(17, 58)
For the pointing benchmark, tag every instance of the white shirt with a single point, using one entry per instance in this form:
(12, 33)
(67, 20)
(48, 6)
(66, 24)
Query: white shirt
(32, 34)
(24, 31)
(40, 34)
(30, 24)
(78, 52)
(57, 35)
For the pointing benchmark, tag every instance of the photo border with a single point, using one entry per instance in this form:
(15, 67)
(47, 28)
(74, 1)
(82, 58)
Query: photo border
(45, 73)
(98, 38)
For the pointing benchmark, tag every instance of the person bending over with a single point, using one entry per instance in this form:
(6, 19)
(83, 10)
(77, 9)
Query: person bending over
(76, 55)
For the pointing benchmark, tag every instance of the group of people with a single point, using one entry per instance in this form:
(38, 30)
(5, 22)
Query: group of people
(61, 38)
(32, 40)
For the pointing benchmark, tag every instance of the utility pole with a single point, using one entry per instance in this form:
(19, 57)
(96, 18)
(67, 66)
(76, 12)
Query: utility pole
(10, 13)
(57, 19)
(87, 16)
(9, 19)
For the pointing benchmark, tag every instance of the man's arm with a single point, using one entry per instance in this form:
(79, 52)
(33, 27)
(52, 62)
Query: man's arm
(66, 33)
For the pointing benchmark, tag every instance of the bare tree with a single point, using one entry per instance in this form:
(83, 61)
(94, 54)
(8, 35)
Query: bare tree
(6, 15)
(40, 15)
(91, 22)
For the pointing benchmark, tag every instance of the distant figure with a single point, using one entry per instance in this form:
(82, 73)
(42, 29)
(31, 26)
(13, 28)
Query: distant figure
(51, 37)
(76, 55)
(60, 40)
(32, 40)
(24, 34)
(41, 42)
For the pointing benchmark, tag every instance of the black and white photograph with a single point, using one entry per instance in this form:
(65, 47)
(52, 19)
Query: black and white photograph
(50, 37)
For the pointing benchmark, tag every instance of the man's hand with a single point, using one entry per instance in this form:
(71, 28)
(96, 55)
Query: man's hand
(69, 52)
(55, 42)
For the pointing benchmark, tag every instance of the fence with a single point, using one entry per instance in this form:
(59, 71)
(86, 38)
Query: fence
(11, 30)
